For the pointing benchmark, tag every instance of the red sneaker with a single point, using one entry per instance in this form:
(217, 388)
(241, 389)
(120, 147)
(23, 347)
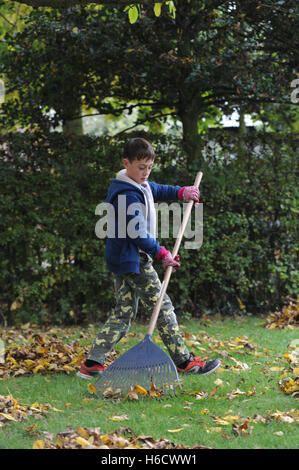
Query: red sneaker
(90, 372)
(198, 366)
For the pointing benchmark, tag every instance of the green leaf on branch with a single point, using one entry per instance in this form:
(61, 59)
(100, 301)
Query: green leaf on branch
(133, 14)
(172, 8)
(157, 9)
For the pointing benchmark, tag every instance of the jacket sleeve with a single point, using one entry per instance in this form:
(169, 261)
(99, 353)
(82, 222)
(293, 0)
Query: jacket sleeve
(164, 192)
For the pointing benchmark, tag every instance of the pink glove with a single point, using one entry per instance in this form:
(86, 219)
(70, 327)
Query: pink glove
(167, 259)
(189, 193)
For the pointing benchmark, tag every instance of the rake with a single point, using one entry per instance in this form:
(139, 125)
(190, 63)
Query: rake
(145, 364)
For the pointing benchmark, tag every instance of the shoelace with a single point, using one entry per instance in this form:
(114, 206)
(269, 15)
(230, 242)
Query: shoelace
(198, 361)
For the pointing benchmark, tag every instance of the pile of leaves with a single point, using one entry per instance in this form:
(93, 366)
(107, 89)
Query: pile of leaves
(30, 350)
(290, 386)
(42, 355)
(92, 438)
(288, 317)
(12, 410)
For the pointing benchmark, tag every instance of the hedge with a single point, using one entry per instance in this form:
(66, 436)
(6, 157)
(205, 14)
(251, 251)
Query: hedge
(53, 266)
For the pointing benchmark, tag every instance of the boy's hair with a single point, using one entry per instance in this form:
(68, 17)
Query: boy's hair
(138, 149)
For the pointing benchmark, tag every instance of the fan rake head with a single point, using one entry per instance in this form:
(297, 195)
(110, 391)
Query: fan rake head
(144, 364)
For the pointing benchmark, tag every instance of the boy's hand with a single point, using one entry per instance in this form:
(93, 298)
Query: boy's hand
(189, 193)
(167, 259)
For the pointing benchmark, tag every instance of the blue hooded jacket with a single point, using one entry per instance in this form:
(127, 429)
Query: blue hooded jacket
(122, 250)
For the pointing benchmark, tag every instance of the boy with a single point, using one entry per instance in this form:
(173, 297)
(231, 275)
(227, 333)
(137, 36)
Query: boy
(130, 254)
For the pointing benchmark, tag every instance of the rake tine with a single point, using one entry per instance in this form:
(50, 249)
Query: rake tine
(161, 376)
(117, 380)
(151, 376)
(168, 379)
(139, 378)
(174, 381)
(120, 379)
(132, 379)
(165, 379)
(129, 379)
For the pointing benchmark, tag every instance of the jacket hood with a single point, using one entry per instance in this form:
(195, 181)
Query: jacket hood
(121, 183)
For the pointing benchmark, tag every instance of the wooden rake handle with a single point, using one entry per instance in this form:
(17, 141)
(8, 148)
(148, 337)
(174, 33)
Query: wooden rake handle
(168, 271)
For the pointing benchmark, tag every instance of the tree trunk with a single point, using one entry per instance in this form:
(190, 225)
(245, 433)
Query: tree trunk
(191, 139)
(73, 125)
(242, 136)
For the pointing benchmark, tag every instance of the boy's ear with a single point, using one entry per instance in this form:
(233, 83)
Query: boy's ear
(125, 163)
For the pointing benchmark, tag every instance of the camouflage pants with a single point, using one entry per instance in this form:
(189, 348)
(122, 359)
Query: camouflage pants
(129, 288)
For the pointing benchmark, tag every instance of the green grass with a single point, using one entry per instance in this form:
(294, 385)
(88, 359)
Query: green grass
(154, 417)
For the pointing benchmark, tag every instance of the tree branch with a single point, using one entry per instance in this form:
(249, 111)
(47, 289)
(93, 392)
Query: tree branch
(12, 24)
(139, 123)
(70, 3)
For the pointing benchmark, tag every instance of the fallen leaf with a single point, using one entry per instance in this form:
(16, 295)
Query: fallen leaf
(83, 442)
(226, 420)
(242, 429)
(91, 388)
(83, 432)
(131, 395)
(39, 444)
(119, 418)
(153, 392)
(110, 393)
(219, 382)
(140, 390)
(214, 429)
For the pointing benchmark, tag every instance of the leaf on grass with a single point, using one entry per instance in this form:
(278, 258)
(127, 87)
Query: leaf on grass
(175, 430)
(110, 393)
(131, 395)
(140, 390)
(39, 444)
(91, 388)
(219, 382)
(8, 417)
(239, 365)
(153, 392)
(242, 429)
(226, 420)
(119, 418)
(236, 393)
(32, 430)
(214, 429)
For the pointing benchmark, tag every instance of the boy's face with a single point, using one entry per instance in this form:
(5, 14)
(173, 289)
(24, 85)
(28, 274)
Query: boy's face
(138, 170)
